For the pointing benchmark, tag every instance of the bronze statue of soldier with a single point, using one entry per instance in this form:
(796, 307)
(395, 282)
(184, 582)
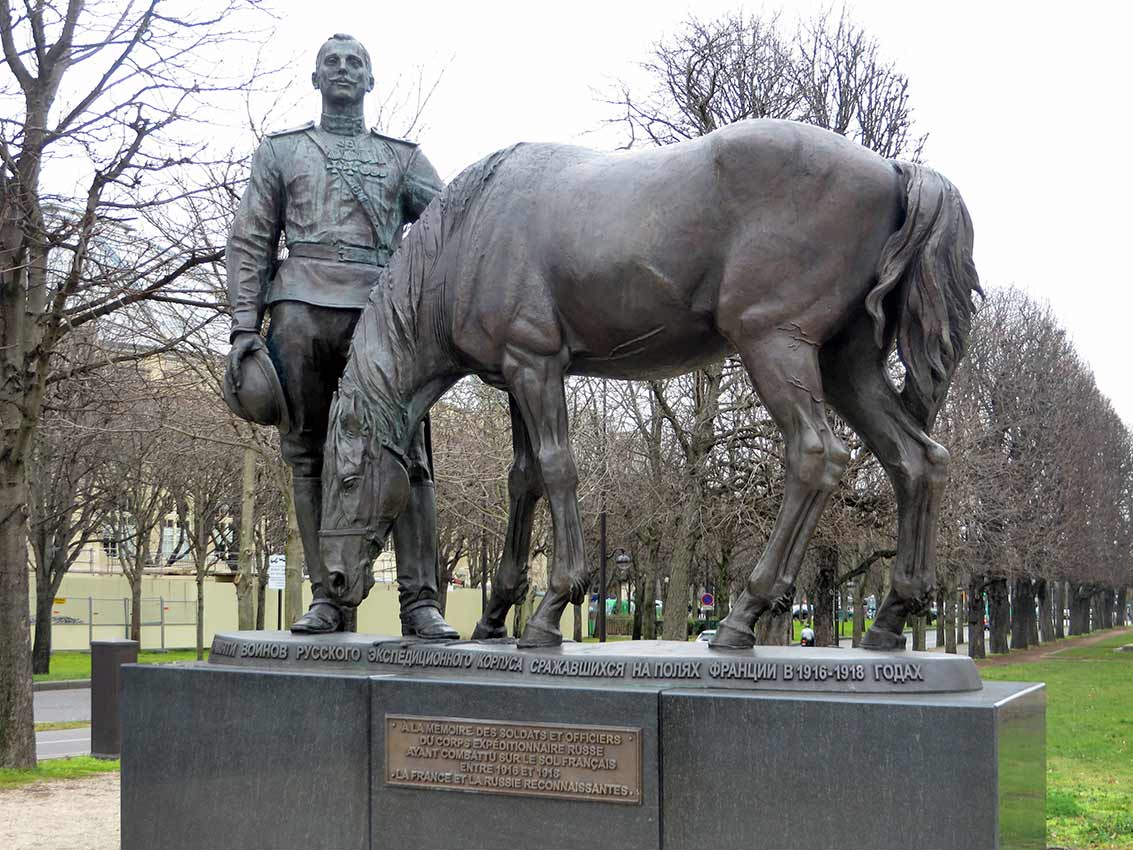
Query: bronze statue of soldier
(340, 194)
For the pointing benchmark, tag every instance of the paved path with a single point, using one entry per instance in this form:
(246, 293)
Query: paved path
(62, 742)
(62, 706)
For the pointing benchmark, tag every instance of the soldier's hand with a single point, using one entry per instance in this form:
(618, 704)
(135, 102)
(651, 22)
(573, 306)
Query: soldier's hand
(242, 345)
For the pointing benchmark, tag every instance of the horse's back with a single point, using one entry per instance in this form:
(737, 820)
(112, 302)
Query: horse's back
(621, 258)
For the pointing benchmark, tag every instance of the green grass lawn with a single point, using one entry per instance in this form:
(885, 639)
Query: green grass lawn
(76, 665)
(1089, 742)
(71, 768)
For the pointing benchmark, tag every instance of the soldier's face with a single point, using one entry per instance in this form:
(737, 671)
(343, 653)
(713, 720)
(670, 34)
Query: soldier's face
(342, 76)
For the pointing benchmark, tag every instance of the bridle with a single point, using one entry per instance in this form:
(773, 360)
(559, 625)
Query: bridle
(369, 531)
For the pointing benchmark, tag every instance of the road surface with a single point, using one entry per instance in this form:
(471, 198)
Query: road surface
(62, 742)
(66, 706)
(62, 706)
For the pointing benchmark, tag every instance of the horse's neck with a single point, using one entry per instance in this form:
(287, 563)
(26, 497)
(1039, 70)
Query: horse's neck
(423, 374)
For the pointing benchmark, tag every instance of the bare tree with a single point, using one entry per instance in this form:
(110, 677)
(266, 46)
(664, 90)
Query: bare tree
(66, 505)
(119, 94)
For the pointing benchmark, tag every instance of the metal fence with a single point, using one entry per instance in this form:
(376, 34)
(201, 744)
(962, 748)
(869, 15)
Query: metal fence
(108, 614)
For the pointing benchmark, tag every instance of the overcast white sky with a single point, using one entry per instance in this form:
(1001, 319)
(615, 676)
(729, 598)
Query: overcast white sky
(1026, 104)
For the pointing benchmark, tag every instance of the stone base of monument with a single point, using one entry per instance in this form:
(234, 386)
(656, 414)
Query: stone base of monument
(362, 742)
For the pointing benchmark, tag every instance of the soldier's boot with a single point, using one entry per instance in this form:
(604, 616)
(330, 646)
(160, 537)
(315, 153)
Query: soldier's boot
(324, 615)
(415, 545)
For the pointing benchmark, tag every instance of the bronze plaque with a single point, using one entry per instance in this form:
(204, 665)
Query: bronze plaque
(601, 763)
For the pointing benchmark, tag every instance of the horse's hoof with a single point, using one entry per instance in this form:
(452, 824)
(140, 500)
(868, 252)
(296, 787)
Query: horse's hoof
(485, 632)
(880, 640)
(536, 636)
(729, 637)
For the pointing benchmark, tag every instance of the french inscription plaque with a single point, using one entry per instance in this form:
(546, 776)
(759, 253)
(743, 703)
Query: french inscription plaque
(599, 763)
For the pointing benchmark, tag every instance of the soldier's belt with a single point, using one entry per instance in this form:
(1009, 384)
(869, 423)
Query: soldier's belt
(339, 253)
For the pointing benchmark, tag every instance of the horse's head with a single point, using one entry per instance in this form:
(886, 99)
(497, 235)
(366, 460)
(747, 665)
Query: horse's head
(365, 488)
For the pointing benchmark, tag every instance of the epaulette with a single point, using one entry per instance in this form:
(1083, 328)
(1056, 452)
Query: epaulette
(277, 133)
(374, 132)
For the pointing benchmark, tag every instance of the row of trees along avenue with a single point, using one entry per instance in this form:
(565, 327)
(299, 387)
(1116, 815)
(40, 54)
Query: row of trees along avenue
(112, 326)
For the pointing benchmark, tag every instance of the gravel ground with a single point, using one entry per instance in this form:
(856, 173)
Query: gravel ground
(72, 814)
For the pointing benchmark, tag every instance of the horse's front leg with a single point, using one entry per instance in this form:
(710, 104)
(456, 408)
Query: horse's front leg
(536, 384)
(509, 587)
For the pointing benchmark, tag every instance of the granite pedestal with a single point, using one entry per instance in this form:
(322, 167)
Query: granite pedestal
(355, 741)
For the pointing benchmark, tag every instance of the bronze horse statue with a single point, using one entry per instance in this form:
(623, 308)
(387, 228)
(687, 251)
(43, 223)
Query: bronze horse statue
(805, 253)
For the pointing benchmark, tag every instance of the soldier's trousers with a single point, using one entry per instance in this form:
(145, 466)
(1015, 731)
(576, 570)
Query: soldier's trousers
(309, 347)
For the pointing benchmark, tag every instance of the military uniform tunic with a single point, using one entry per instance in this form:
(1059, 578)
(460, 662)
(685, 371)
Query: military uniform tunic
(301, 186)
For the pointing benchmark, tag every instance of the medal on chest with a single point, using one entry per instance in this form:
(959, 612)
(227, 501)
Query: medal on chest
(351, 161)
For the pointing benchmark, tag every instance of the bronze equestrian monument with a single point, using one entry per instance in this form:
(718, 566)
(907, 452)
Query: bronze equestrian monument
(805, 254)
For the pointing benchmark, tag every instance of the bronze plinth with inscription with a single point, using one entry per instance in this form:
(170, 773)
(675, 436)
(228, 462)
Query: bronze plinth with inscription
(690, 665)
(413, 744)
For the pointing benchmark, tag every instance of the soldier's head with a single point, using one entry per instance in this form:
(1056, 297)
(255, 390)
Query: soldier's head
(343, 73)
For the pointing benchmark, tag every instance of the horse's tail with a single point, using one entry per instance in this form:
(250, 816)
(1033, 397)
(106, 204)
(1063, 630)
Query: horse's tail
(927, 268)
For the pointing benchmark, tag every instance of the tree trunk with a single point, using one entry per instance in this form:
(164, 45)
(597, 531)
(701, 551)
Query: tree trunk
(136, 601)
(1032, 614)
(949, 614)
(859, 611)
(1044, 625)
(261, 601)
(578, 624)
(774, 631)
(998, 615)
(976, 647)
(919, 629)
(639, 607)
(17, 731)
(652, 577)
(1079, 616)
(675, 619)
(1021, 612)
(1059, 604)
(941, 620)
(41, 646)
(201, 554)
(824, 596)
(1109, 602)
(246, 572)
(1119, 615)
(960, 612)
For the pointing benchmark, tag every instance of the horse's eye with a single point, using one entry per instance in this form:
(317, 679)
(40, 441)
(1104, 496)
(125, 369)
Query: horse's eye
(349, 481)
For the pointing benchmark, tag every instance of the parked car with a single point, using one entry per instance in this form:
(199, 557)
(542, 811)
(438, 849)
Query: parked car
(800, 612)
(706, 636)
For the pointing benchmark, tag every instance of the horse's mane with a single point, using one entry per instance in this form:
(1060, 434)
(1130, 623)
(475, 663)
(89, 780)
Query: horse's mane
(386, 338)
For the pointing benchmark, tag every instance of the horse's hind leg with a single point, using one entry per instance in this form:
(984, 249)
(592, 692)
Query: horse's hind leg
(536, 383)
(786, 376)
(524, 491)
(861, 392)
